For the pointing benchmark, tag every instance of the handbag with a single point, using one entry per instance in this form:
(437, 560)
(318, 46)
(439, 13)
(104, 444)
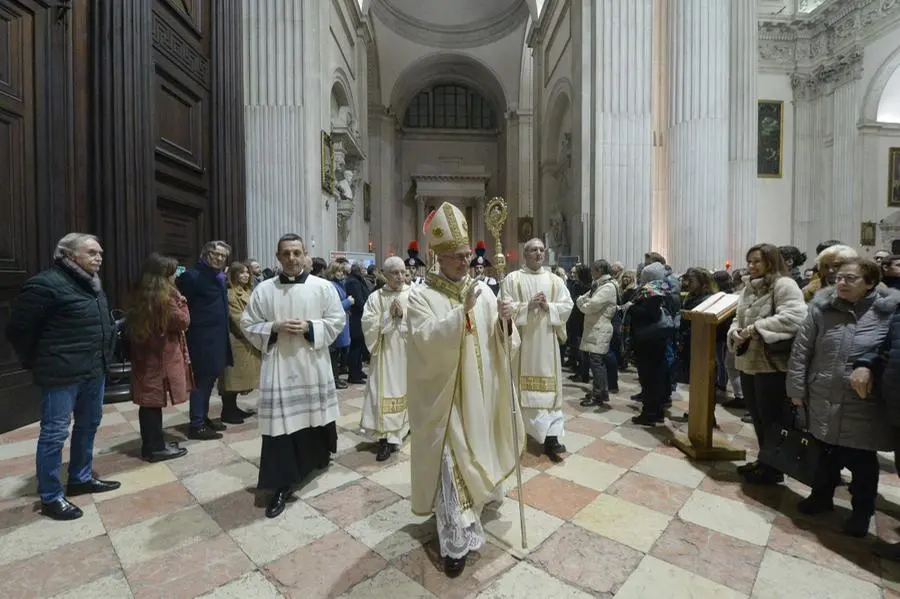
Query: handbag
(792, 451)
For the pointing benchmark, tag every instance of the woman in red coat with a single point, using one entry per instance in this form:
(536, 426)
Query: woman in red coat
(160, 366)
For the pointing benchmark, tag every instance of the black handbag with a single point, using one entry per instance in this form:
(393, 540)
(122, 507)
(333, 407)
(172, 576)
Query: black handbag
(791, 450)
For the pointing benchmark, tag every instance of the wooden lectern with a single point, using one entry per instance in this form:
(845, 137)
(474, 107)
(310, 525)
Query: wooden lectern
(699, 443)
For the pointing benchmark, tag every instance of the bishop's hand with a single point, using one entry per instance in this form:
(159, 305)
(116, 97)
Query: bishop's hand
(471, 297)
(504, 309)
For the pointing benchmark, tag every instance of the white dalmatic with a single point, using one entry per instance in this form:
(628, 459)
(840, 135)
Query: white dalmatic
(384, 413)
(296, 380)
(538, 368)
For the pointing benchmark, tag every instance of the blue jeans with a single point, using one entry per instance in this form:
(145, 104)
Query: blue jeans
(58, 405)
(200, 399)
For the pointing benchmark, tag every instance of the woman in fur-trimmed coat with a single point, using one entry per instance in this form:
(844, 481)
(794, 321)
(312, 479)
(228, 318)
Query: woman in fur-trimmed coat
(770, 310)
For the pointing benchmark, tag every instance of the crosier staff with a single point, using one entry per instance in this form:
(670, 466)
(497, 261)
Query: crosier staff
(495, 218)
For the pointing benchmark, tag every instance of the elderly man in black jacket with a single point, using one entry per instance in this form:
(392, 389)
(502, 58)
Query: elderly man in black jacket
(208, 341)
(61, 329)
(356, 288)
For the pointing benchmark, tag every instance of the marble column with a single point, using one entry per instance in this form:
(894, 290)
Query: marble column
(659, 205)
(274, 90)
(622, 139)
(698, 132)
(846, 203)
(805, 152)
(511, 192)
(742, 129)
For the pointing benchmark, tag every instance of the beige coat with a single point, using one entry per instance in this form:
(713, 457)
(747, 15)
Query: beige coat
(244, 375)
(599, 306)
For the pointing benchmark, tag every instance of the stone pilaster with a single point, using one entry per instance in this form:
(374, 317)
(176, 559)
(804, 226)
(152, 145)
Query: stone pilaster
(742, 129)
(698, 132)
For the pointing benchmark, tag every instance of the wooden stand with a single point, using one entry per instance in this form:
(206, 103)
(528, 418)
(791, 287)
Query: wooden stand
(699, 443)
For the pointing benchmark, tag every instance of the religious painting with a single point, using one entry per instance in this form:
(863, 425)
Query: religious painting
(327, 163)
(367, 202)
(867, 234)
(526, 228)
(770, 121)
(894, 177)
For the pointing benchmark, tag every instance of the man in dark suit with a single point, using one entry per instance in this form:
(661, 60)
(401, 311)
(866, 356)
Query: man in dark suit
(356, 288)
(207, 337)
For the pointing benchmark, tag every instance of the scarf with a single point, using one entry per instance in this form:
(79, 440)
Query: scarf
(220, 274)
(658, 288)
(81, 275)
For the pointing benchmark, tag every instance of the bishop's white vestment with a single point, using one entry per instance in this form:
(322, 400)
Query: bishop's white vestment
(384, 414)
(538, 367)
(460, 408)
(296, 381)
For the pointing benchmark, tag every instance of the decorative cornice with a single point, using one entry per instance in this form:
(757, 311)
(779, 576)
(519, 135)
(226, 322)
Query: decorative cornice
(467, 35)
(833, 29)
(826, 77)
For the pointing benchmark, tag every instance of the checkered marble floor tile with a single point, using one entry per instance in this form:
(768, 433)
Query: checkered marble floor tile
(625, 515)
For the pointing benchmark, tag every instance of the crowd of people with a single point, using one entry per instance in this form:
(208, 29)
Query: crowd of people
(821, 347)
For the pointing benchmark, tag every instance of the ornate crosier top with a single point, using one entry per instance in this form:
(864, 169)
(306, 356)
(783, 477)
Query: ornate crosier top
(495, 218)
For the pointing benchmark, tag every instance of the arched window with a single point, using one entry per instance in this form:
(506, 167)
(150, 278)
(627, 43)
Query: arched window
(449, 106)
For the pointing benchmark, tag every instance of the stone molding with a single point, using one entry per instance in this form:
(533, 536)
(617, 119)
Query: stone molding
(825, 78)
(834, 29)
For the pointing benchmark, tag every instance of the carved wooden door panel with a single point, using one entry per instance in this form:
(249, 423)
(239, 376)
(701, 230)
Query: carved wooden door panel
(181, 49)
(22, 66)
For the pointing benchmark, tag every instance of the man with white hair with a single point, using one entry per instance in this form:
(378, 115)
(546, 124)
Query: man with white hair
(384, 414)
(540, 304)
(60, 327)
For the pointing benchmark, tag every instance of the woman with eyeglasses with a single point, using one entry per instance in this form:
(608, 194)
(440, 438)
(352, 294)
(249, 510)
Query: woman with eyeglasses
(845, 322)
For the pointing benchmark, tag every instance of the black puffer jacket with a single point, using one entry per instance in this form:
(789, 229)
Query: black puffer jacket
(61, 328)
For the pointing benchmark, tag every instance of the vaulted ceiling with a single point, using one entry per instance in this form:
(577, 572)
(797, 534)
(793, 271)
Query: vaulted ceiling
(423, 37)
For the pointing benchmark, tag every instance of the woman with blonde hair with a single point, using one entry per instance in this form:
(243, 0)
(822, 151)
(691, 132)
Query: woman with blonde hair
(243, 376)
(160, 367)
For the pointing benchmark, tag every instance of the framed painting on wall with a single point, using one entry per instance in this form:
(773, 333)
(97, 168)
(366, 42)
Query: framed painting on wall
(526, 228)
(327, 163)
(867, 234)
(367, 202)
(894, 178)
(770, 121)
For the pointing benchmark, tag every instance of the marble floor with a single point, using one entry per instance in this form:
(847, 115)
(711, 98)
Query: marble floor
(625, 516)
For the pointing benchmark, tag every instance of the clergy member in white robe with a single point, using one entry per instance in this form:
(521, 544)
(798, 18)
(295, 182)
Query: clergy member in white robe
(384, 323)
(460, 402)
(292, 319)
(541, 304)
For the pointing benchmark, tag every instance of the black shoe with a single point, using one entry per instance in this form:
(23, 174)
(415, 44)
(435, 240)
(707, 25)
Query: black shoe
(763, 476)
(95, 485)
(277, 502)
(815, 504)
(61, 509)
(384, 450)
(736, 403)
(647, 419)
(232, 418)
(204, 433)
(454, 567)
(339, 384)
(588, 402)
(747, 419)
(637, 397)
(553, 449)
(216, 426)
(889, 551)
(748, 467)
(246, 413)
(169, 453)
(857, 525)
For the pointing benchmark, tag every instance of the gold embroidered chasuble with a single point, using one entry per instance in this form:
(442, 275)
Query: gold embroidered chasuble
(384, 402)
(538, 364)
(459, 392)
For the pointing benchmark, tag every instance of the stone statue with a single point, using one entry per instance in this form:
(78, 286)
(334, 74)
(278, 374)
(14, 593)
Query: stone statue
(345, 186)
(559, 234)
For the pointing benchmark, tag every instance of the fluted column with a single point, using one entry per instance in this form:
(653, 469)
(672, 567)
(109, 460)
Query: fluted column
(846, 204)
(698, 132)
(659, 204)
(742, 128)
(386, 232)
(275, 127)
(805, 152)
(623, 138)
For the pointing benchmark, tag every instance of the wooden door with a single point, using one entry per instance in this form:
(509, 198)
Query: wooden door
(22, 71)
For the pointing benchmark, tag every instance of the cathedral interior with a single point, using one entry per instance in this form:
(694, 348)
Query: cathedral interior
(612, 128)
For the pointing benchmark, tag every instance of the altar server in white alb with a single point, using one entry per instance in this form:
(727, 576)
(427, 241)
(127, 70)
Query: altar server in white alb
(460, 403)
(384, 324)
(541, 304)
(292, 319)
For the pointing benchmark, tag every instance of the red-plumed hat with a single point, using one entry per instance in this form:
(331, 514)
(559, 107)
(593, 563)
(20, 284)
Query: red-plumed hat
(479, 259)
(413, 251)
